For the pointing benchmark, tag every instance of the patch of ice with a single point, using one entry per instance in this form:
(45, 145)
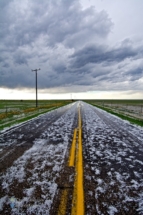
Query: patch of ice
(118, 176)
(88, 177)
(56, 168)
(112, 210)
(109, 173)
(97, 171)
(99, 153)
(138, 161)
(100, 189)
(90, 193)
(100, 181)
(138, 175)
(29, 191)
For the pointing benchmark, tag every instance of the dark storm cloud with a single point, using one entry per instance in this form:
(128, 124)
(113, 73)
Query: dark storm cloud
(29, 27)
(68, 43)
(19, 58)
(62, 22)
(99, 54)
(135, 74)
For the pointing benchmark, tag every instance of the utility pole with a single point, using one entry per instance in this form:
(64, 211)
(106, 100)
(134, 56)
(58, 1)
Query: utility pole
(35, 70)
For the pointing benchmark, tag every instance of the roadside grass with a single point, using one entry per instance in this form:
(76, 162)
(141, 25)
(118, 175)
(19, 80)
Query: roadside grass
(16, 112)
(124, 117)
(18, 121)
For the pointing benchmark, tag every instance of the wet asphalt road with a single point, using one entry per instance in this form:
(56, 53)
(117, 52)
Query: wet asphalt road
(112, 158)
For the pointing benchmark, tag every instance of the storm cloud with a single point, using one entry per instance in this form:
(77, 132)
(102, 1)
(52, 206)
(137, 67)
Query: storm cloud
(70, 45)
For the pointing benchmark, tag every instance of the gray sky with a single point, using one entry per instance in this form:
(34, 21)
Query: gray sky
(81, 46)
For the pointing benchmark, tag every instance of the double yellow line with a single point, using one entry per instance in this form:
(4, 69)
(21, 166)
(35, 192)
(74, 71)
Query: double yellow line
(75, 160)
(78, 193)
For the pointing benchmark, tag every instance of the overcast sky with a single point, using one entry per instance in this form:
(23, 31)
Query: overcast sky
(85, 48)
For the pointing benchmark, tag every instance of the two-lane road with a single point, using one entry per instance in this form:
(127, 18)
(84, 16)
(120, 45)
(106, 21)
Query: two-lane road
(35, 173)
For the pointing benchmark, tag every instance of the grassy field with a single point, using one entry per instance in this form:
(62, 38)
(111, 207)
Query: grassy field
(131, 110)
(17, 111)
(117, 101)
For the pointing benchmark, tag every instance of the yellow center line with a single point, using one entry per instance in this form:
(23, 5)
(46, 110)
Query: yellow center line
(78, 193)
(63, 202)
(72, 153)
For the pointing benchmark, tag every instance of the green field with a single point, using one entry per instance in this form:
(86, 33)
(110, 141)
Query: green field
(117, 101)
(131, 110)
(17, 111)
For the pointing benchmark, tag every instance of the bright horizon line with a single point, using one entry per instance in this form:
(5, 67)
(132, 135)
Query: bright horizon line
(28, 94)
(66, 99)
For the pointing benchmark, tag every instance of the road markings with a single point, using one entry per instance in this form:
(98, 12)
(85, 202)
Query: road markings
(63, 202)
(65, 191)
(78, 193)
(76, 160)
(73, 147)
